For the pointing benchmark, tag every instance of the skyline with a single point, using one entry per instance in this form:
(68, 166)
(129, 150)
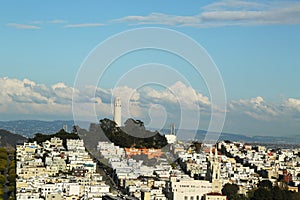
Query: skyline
(255, 46)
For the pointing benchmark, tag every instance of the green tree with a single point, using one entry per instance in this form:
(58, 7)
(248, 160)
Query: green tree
(1, 193)
(11, 178)
(231, 191)
(12, 164)
(2, 179)
(3, 164)
(265, 184)
(262, 194)
(277, 193)
(12, 197)
(295, 195)
(3, 155)
(2, 149)
(198, 146)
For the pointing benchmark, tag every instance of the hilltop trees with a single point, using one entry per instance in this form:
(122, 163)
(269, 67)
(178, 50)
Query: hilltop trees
(133, 134)
(62, 134)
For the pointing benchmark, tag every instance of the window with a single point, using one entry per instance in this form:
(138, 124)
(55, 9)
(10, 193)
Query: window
(197, 198)
(185, 198)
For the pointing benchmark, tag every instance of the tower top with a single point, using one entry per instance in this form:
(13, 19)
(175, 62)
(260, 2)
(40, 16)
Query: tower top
(117, 101)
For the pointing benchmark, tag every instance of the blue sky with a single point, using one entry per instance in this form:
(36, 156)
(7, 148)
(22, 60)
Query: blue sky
(255, 45)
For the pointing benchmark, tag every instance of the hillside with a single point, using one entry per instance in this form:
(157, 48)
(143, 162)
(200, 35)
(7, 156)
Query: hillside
(8, 139)
(28, 128)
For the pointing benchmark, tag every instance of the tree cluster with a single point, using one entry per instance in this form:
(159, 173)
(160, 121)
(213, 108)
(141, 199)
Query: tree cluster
(264, 191)
(231, 191)
(7, 173)
(133, 134)
(62, 134)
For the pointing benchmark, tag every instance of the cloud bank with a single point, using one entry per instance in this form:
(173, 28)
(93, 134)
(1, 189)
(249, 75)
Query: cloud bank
(217, 14)
(226, 13)
(38, 101)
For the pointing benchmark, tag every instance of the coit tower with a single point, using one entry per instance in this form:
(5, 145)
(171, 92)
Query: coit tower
(118, 111)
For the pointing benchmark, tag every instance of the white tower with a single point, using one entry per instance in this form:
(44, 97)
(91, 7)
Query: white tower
(118, 111)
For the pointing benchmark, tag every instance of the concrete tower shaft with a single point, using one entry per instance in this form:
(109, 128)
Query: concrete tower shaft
(118, 111)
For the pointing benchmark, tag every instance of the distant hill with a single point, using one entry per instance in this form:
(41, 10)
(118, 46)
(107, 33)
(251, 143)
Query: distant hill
(184, 134)
(28, 128)
(8, 139)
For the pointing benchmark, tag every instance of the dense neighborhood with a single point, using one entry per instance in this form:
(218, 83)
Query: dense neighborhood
(55, 169)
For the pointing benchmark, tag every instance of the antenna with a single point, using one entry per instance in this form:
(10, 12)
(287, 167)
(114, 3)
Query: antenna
(172, 129)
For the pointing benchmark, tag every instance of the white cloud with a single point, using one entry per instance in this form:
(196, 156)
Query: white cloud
(160, 18)
(83, 25)
(57, 21)
(233, 4)
(28, 97)
(23, 26)
(152, 105)
(54, 21)
(256, 108)
(227, 13)
(292, 104)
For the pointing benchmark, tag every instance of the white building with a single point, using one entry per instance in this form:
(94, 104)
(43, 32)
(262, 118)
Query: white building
(171, 138)
(186, 188)
(215, 196)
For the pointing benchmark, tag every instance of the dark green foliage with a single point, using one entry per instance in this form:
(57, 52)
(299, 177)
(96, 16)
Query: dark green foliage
(231, 191)
(62, 134)
(262, 194)
(11, 178)
(265, 192)
(8, 173)
(263, 173)
(266, 184)
(3, 155)
(133, 134)
(196, 146)
(2, 179)
(3, 164)
(277, 193)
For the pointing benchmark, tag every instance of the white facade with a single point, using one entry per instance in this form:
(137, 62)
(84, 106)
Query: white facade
(189, 189)
(171, 138)
(118, 111)
(37, 181)
(215, 197)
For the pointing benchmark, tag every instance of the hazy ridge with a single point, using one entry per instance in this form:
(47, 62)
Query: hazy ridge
(28, 128)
